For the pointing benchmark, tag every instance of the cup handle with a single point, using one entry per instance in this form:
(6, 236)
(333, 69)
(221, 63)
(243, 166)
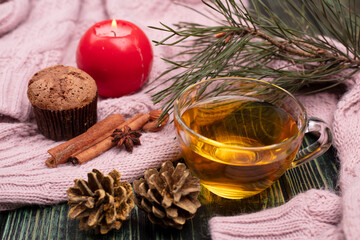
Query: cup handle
(320, 129)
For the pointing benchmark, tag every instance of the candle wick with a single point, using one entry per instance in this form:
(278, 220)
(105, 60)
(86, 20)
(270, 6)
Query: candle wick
(114, 33)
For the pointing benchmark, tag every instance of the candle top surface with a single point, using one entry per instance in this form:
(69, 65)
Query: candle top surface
(61, 88)
(107, 29)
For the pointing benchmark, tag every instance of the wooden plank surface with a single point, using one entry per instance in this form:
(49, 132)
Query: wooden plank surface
(51, 222)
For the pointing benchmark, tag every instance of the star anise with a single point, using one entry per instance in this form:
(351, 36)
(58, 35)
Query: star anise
(126, 137)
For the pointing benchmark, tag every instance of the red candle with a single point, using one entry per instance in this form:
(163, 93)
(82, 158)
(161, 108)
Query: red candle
(117, 54)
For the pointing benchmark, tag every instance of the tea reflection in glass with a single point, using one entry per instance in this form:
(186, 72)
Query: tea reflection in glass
(239, 141)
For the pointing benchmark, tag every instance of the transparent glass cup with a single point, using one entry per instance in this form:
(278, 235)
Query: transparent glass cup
(239, 135)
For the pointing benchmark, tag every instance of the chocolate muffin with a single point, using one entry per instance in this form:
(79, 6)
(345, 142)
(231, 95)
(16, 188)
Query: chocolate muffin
(64, 100)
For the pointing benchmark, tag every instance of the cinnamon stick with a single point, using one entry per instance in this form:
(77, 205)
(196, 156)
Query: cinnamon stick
(61, 153)
(135, 123)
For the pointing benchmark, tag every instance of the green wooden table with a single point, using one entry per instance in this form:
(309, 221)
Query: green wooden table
(51, 222)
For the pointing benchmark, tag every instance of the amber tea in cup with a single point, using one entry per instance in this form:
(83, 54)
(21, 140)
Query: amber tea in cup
(239, 135)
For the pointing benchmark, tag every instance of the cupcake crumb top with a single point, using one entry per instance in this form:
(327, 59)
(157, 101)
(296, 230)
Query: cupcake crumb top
(61, 88)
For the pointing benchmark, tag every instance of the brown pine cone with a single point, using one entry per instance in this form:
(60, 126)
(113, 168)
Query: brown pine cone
(169, 196)
(101, 203)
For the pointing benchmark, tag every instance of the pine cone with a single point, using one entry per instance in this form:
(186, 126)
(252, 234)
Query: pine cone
(102, 203)
(170, 196)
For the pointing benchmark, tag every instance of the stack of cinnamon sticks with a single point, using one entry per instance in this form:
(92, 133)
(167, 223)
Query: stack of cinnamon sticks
(97, 139)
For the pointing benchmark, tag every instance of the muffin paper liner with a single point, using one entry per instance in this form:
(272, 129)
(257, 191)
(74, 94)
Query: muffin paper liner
(66, 124)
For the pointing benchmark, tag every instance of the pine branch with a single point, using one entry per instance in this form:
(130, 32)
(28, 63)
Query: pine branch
(291, 47)
(248, 41)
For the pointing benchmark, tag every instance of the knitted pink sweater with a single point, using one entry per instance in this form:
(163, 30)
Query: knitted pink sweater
(35, 34)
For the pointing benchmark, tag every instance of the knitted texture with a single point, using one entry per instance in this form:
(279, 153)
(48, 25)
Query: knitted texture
(35, 34)
(346, 128)
(47, 33)
(35, 44)
(12, 13)
(311, 215)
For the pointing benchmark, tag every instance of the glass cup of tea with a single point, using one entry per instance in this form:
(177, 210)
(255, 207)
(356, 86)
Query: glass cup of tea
(239, 135)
